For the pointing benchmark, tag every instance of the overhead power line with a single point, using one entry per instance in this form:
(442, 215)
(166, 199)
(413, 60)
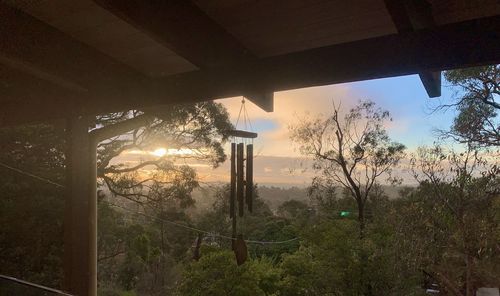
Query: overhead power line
(31, 175)
(200, 230)
(48, 181)
(30, 284)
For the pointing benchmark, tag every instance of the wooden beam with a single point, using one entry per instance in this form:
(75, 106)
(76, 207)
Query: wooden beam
(26, 98)
(184, 28)
(458, 45)
(410, 15)
(431, 82)
(264, 100)
(187, 30)
(35, 48)
(33, 70)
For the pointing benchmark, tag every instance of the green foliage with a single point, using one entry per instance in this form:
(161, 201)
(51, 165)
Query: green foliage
(31, 211)
(334, 261)
(260, 225)
(454, 226)
(477, 104)
(216, 273)
(295, 210)
(133, 255)
(141, 255)
(199, 128)
(447, 226)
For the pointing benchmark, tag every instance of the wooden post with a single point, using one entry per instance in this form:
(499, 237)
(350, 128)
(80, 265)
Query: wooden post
(80, 229)
(92, 220)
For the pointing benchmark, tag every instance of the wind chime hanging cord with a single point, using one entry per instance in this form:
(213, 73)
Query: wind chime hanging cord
(246, 118)
(48, 181)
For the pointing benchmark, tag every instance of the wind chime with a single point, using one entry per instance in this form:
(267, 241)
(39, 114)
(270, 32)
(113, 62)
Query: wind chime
(241, 192)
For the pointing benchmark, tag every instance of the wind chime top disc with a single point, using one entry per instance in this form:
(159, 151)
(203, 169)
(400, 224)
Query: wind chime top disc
(242, 134)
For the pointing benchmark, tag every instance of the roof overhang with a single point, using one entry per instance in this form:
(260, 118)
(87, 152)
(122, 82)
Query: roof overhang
(57, 63)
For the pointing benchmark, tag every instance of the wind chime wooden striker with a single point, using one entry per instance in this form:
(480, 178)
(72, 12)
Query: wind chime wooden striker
(241, 192)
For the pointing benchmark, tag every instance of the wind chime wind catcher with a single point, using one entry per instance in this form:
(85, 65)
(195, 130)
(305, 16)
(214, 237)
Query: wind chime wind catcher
(241, 192)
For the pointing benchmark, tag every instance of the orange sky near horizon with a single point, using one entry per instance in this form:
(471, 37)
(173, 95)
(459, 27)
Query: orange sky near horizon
(279, 162)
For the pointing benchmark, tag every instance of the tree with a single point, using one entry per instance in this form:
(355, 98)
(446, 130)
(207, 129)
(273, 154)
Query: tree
(296, 211)
(260, 225)
(328, 262)
(188, 131)
(31, 210)
(352, 151)
(151, 250)
(451, 219)
(36, 207)
(216, 273)
(477, 103)
(141, 254)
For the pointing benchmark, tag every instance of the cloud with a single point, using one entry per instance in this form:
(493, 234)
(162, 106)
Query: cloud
(272, 127)
(278, 160)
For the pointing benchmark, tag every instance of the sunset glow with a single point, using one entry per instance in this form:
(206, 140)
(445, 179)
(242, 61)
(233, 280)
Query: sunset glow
(160, 152)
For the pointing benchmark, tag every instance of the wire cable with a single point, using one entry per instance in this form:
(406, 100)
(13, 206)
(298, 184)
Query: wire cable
(197, 230)
(30, 284)
(31, 175)
(151, 217)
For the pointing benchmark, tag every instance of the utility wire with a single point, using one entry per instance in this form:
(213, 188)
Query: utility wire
(31, 175)
(199, 230)
(168, 221)
(151, 217)
(30, 284)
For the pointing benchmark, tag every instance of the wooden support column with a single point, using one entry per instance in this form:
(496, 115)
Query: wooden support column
(80, 238)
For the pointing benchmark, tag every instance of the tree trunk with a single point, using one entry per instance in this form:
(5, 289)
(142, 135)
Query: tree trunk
(361, 218)
(468, 276)
(367, 288)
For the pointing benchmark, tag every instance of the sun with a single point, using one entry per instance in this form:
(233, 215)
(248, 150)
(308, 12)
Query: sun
(183, 152)
(160, 152)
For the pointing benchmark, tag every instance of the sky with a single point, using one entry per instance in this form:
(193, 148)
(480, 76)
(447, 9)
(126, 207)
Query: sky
(278, 161)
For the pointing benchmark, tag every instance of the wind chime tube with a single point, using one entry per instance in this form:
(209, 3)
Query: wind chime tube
(249, 180)
(240, 189)
(232, 195)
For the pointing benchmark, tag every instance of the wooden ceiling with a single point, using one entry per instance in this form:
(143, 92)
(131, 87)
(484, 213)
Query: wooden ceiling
(64, 58)
(270, 28)
(86, 21)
